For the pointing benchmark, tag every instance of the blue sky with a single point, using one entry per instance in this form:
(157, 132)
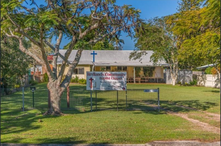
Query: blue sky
(149, 9)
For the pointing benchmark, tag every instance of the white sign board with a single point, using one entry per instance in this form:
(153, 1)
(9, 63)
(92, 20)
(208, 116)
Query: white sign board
(106, 81)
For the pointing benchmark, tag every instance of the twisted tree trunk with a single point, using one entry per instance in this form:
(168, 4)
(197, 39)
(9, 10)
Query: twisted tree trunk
(58, 86)
(55, 96)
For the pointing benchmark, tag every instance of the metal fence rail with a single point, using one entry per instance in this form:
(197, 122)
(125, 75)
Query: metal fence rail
(132, 99)
(80, 101)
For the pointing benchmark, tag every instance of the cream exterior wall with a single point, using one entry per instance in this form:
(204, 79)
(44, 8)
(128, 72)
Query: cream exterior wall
(86, 69)
(158, 72)
(80, 76)
(130, 72)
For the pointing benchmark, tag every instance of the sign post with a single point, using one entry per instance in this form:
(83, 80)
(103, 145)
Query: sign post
(106, 81)
(33, 93)
(117, 100)
(91, 86)
(158, 96)
(96, 98)
(126, 99)
(91, 79)
(93, 59)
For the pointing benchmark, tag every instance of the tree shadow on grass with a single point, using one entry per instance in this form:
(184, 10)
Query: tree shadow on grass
(213, 91)
(151, 107)
(66, 141)
(69, 140)
(184, 105)
(15, 140)
(107, 101)
(16, 121)
(25, 122)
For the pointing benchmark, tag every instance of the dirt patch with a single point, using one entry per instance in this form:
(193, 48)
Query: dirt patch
(213, 116)
(204, 126)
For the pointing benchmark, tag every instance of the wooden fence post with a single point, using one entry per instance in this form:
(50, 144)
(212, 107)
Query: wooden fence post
(49, 100)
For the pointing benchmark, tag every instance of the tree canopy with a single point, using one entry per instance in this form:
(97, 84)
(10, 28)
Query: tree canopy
(189, 38)
(82, 22)
(14, 64)
(158, 36)
(199, 29)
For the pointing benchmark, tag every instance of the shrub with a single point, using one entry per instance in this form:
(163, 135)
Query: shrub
(72, 80)
(214, 71)
(194, 82)
(208, 70)
(17, 86)
(82, 81)
(45, 77)
(75, 80)
(186, 84)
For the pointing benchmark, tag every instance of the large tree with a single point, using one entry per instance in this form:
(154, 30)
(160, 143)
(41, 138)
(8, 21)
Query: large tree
(157, 36)
(199, 26)
(74, 19)
(14, 64)
(187, 39)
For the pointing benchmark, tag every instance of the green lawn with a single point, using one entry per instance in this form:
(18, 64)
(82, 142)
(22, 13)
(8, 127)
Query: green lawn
(139, 122)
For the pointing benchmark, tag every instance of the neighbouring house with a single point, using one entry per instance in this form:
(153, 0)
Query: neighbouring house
(38, 71)
(204, 67)
(184, 76)
(207, 80)
(138, 71)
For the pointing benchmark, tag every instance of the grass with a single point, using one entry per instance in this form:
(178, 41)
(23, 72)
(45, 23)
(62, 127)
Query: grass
(141, 124)
(205, 118)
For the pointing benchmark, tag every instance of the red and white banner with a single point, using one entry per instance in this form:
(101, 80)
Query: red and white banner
(106, 81)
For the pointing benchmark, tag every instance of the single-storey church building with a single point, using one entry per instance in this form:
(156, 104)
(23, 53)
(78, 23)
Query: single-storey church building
(138, 71)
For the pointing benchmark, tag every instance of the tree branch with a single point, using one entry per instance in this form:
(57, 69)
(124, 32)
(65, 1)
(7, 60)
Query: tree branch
(23, 49)
(67, 54)
(73, 65)
(23, 33)
(53, 48)
(28, 10)
(93, 41)
(46, 63)
(55, 57)
(88, 30)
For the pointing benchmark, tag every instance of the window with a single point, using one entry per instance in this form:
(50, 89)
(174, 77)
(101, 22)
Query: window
(119, 68)
(75, 71)
(122, 68)
(79, 71)
(108, 68)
